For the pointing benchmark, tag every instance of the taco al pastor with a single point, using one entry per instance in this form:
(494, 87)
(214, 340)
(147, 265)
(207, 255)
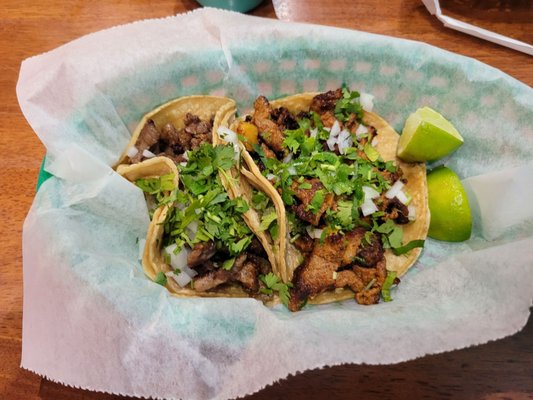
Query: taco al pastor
(355, 215)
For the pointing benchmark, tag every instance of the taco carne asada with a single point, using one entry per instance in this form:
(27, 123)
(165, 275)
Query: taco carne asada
(356, 216)
(207, 236)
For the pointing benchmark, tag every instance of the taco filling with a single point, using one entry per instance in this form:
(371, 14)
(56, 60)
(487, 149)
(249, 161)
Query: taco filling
(346, 205)
(206, 247)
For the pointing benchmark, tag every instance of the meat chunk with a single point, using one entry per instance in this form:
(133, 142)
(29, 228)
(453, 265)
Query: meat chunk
(328, 119)
(247, 273)
(305, 244)
(326, 101)
(211, 280)
(306, 196)
(269, 131)
(317, 273)
(148, 137)
(394, 209)
(365, 282)
(284, 119)
(201, 253)
(369, 254)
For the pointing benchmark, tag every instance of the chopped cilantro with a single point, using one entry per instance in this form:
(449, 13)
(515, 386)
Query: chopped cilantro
(228, 264)
(371, 152)
(408, 247)
(389, 281)
(267, 220)
(160, 278)
(317, 200)
(273, 284)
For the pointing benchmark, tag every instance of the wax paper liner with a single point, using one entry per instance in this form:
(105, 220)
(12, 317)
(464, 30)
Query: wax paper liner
(92, 319)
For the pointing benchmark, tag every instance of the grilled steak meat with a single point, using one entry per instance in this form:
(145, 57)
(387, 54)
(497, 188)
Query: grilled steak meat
(317, 273)
(284, 119)
(245, 271)
(365, 282)
(394, 209)
(148, 137)
(305, 196)
(200, 253)
(169, 142)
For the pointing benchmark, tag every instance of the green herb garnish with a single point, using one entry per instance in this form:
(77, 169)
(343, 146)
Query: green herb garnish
(273, 284)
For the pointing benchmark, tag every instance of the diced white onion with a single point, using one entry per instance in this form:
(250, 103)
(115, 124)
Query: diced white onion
(314, 233)
(368, 207)
(181, 279)
(412, 213)
(148, 154)
(393, 191)
(334, 276)
(142, 243)
(185, 155)
(313, 132)
(327, 129)
(177, 260)
(374, 142)
(402, 197)
(331, 142)
(367, 101)
(360, 131)
(132, 152)
(270, 176)
(335, 129)
(231, 137)
(287, 158)
(344, 141)
(370, 193)
(183, 163)
(291, 170)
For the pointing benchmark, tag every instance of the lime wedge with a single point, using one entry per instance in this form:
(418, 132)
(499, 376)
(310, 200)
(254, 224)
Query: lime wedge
(448, 205)
(427, 136)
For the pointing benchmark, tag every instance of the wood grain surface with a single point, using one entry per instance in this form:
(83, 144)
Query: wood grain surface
(498, 370)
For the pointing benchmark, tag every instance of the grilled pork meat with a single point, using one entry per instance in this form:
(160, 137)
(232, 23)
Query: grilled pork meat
(284, 119)
(305, 196)
(394, 209)
(325, 101)
(317, 273)
(269, 130)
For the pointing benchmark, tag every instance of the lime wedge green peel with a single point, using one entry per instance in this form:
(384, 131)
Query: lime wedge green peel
(427, 136)
(451, 219)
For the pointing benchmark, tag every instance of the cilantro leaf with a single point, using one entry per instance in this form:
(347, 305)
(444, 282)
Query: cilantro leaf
(160, 278)
(317, 200)
(408, 247)
(273, 284)
(267, 220)
(389, 281)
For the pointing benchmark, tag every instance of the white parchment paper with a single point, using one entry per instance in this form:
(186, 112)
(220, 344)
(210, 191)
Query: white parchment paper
(93, 320)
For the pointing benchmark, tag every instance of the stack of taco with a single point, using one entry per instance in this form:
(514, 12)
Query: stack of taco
(303, 199)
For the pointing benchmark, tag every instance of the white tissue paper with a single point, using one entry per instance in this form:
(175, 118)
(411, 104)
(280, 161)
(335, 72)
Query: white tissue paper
(91, 317)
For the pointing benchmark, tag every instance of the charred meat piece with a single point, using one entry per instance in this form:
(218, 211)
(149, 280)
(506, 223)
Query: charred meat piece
(199, 130)
(305, 244)
(263, 264)
(394, 209)
(246, 272)
(365, 282)
(326, 101)
(170, 135)
(316, 274)
(269, 131)
(369, 254)
(268, 153)
(328, 119)
(200, 253)
(256, 247)
(392, 177)
(284, 119)
(148, 137)
(305, 196)
(211, 280)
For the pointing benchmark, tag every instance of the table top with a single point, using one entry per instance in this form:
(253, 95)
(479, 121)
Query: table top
(497, 370)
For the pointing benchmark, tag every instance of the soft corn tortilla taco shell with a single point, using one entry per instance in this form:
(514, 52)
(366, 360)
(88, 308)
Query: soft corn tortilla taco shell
(238, 185)
(387, 143)
(174, 112)
(222, 110)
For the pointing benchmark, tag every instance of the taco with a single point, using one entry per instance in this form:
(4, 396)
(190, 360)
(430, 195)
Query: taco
(355, 215)
(206, 236)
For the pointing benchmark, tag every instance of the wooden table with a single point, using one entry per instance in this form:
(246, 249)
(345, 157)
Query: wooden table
(498, 370)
